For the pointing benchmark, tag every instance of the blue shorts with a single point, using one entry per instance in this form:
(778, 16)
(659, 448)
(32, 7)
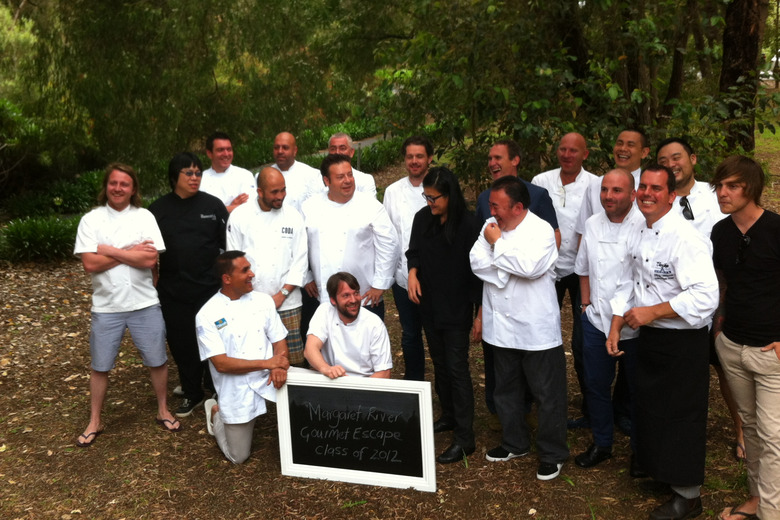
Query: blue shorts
(146, 327)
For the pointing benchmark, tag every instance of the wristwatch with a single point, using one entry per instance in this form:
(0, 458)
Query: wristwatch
(285, 292)
(583, 305)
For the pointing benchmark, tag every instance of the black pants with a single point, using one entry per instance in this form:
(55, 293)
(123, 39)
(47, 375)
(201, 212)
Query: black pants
(183, 342)
(452, 379)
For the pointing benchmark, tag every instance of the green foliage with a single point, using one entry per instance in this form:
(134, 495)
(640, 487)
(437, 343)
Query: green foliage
(380, 154)
(44, 238)
(17, 49)
(62, 197)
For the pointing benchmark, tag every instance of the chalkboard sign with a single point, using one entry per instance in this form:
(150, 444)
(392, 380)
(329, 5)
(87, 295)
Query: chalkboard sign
(355, 429)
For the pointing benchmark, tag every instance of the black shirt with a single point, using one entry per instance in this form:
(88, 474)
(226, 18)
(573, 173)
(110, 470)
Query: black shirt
(449, 288)
(194, 233)
(751, 267)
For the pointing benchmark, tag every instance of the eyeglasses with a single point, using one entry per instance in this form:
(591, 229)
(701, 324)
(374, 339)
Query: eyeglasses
(430, 199)
(686, 209)
(190, 173)
(744, 242)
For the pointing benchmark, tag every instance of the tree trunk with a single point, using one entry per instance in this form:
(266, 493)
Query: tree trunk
(739, 76)
(678, 60)
(705, 65)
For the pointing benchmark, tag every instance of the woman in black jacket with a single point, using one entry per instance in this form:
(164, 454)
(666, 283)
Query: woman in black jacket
(441, 282)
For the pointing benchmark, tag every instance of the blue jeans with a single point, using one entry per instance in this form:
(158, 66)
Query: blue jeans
(411, 334)
(599, 372)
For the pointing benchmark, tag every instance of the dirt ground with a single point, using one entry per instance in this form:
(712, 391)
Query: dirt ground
(136, 470)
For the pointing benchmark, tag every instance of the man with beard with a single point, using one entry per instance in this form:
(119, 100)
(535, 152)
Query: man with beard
(343, 340)
(301, 180)
(274, 238)
(599, 263)
(403, 199)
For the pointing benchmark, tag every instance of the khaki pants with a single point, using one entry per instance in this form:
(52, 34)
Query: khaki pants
(754, 378)
(235, 440)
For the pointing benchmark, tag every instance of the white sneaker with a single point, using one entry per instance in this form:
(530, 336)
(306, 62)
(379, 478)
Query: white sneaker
(178, 391)
(208, 405)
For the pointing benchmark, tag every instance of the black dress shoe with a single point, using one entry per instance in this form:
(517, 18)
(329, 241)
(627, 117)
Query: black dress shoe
(455, 453)
(592, 456)
(635, 470)
(677, 508)
(443, 425)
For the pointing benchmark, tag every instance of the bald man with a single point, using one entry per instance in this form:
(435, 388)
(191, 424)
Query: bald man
(274, 238)
(568, 185)
(301, 179)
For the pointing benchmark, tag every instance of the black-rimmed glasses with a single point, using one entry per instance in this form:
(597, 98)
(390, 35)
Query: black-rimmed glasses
(430, 199)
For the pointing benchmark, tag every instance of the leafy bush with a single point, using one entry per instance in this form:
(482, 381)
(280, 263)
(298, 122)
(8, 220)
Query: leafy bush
(46, 238)
(63, 197)
(380, 154)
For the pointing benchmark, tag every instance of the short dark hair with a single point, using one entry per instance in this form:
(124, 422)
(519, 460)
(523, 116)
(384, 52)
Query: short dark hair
(671, 182)
(747, 171)
(679, 140)
(330, 160)
(135, 200)
(419, 140)
(213, 137)
(512, 148)
(224, 262)
(178, 163)
(515, 189)
(642, 135)
(335, 280)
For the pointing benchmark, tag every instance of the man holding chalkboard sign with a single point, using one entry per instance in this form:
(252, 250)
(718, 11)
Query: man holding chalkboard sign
(344, 341)
(241, 334)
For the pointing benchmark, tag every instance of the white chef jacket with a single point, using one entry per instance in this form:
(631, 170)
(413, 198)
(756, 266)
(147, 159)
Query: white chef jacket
(244, 329)
(601, 258)
(567, 201)
(122, 288)
(402, 202)
(519, 304)
(362, 347)
(275, 244)
(229, 184)
(670, 262)
(301, 181)
(705, 207)
(356, 237)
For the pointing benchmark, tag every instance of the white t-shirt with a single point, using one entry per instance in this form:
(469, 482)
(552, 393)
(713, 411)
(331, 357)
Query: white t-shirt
(229, 184)
(275, 244)
(121, 288)
(362, 347)
(244, 329)
(402, 202)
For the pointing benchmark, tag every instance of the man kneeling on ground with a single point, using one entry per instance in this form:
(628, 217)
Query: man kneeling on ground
(241, 334)
(342, 340)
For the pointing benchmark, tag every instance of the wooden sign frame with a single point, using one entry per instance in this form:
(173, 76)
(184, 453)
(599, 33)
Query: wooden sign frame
(346, 427)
